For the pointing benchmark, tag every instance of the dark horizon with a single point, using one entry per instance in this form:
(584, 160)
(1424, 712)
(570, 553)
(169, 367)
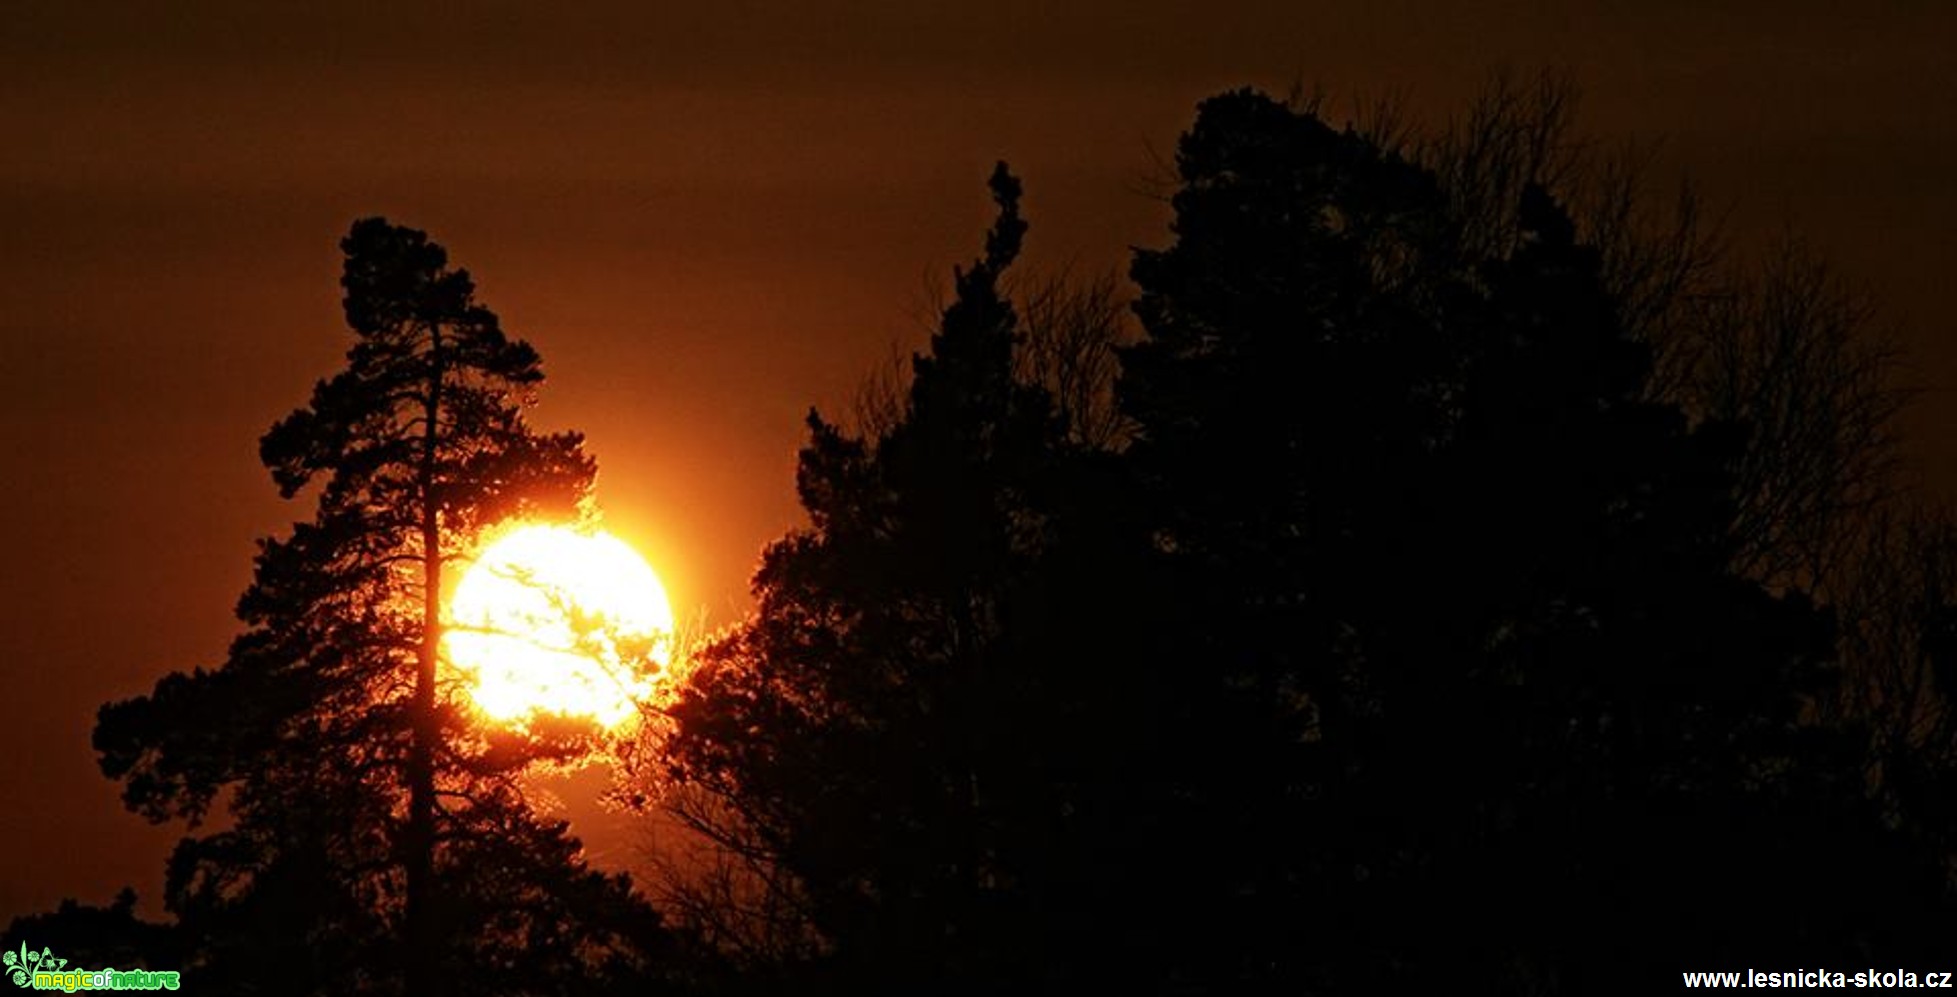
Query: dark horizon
(707, 223)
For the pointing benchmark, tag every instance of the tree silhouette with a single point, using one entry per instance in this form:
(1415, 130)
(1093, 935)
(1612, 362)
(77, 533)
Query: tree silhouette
(1463, 596)
(1069, 326)
(887, 727)
(1407, 643)
(98, 937)
(1784, 346)
(378, 841)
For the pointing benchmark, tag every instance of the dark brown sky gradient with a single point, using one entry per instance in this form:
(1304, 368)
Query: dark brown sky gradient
(706, 221)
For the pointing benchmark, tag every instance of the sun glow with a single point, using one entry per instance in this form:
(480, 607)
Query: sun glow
(554, 621)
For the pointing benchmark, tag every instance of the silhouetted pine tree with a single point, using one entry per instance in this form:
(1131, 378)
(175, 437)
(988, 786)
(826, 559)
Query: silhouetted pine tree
(900, 723)
(377, 843)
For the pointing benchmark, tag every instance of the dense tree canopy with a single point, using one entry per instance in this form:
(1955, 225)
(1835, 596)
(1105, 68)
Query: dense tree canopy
(1466, 593)
(1404, 642)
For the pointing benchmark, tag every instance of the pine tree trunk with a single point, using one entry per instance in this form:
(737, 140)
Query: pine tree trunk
(421, 938)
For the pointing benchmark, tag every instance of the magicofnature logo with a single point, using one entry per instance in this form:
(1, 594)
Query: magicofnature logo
(43, 971)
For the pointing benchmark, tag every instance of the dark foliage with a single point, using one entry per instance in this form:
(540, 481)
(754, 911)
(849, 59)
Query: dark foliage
(1468, 601)
(1402, 647)
(881, 723)
(90, 937)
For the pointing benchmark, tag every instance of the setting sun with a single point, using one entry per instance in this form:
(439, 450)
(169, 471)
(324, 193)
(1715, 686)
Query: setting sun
(552, 620)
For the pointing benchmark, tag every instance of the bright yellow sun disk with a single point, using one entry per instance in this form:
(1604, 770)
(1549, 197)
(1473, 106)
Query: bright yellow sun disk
(550, 620)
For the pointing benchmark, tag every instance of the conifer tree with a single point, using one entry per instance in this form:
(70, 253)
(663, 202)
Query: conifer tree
(879, 723)
(377, 839)
(1471, 664)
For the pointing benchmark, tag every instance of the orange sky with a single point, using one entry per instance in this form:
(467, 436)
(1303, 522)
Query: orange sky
(706, 222)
